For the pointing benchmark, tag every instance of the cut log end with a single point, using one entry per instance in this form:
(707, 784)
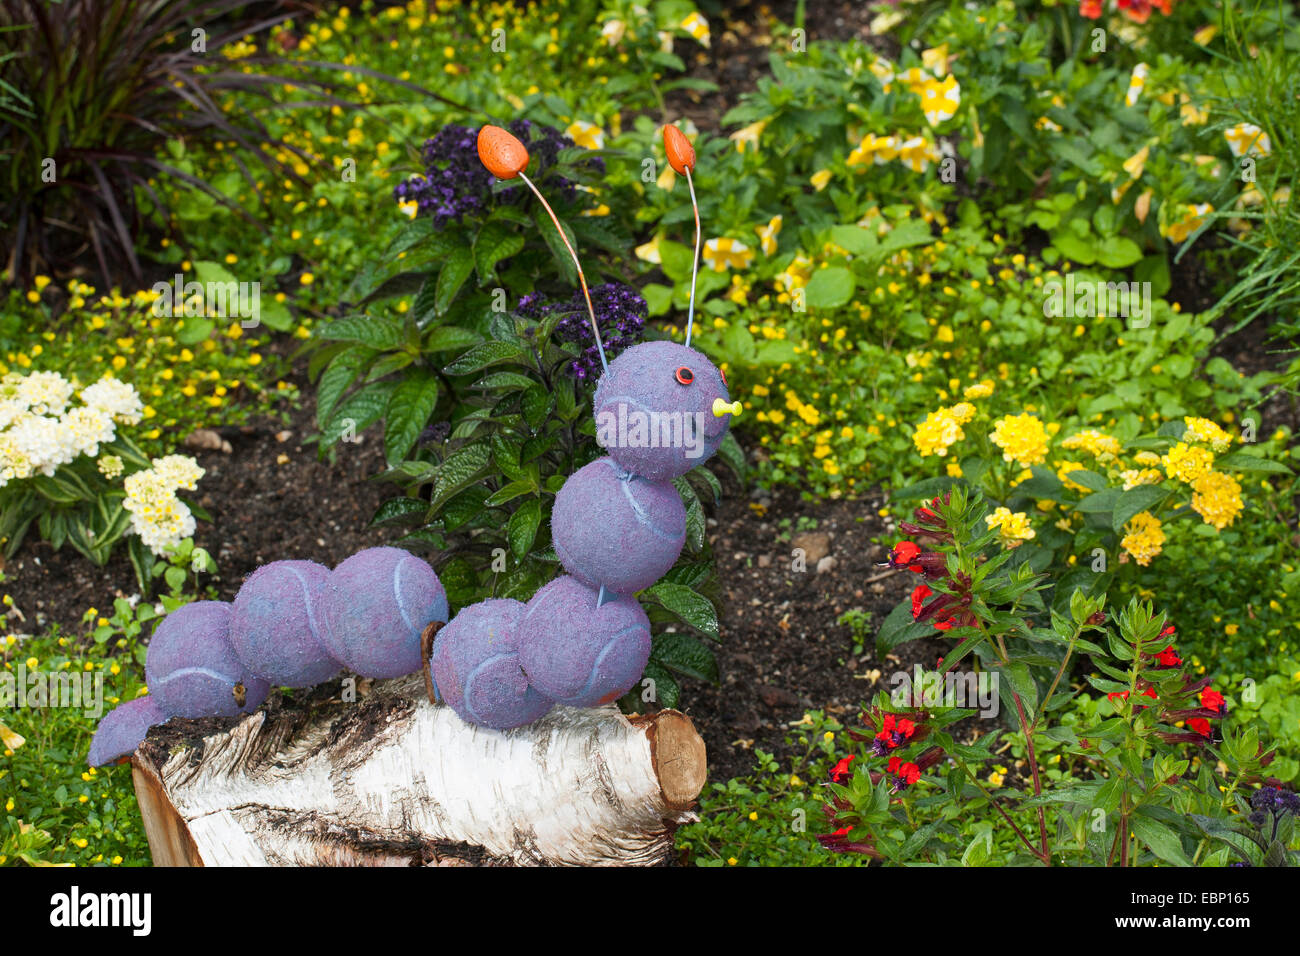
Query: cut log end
(396, 780)
(678, 755)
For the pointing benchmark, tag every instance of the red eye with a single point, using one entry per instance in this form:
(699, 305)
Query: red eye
(684, 375)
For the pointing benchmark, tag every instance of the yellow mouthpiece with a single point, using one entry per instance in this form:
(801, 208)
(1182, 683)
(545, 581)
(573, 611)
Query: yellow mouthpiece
(721, 408)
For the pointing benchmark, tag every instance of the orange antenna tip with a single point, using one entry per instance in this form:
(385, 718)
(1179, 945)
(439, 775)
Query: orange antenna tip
(503, 155)
(681, 154)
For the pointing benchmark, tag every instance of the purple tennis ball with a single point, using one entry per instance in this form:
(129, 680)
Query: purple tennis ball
(475, 665)
(275, 625)
(376, 604)
(192, 670)
(123, 729)
(579, 654)
(614, 528)
(654, 409)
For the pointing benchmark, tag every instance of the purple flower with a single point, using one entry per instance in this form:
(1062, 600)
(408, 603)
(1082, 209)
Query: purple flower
(620, 313)
(455, 183)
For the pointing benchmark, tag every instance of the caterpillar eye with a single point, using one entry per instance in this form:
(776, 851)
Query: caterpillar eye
(684, 375)
(724, 378)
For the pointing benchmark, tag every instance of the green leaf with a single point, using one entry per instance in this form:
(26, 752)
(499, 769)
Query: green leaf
(1163, 841)
(482, 356)
(830, 288)
(1244, 461)
(1136, 500)
(461, 470)
(899, 628)
(693, 609)
(685, 655)
(445, 338)
(1089, 479)
(398, 510)
(522, 529)
(494, 242)
(358, 412)
(412, 402)
(553, 241)
(1099, 502)
(378, 334)
(455, 270)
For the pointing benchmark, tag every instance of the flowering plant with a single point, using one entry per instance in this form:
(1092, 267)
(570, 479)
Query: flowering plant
(1158, 770)
(1084, 500)
(60, 466)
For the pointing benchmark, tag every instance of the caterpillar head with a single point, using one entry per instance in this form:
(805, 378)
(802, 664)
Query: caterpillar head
(661, 409)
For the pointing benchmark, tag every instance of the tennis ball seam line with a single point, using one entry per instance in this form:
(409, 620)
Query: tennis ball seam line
(309, 604)
(397, 591)
(642, 516)
(469, 681)
(187, 671)
(600, 658)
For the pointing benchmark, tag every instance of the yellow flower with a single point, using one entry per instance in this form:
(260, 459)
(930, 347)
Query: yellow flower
(1216, 498)
(1193, 216)
(747, 138)
(724, 252)
(873, 148)
(1231, 629)
(1245, 139)
(940, 99)
(820, 179)
(982, 390)
(306, 278)
(1136, 82)
(649, 252)
(942, 429)
(767, 235)
(1208, 432)
(1145, 537)
(1095, 443)
(586, 135)
(697, 27)
(1187, 463)
(1022, 439)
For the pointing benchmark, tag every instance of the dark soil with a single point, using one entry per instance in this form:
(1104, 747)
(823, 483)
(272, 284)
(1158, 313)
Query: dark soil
(268, 499)
(783, 651)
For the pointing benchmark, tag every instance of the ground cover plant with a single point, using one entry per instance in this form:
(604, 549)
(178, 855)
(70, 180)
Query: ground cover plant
(1025, 267)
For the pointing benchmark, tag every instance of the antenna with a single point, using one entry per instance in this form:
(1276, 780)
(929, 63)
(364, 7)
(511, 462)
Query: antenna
(506, 158)
(681, 157)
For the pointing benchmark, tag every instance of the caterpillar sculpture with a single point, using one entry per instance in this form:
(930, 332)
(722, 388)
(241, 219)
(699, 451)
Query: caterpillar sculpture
(618, 525)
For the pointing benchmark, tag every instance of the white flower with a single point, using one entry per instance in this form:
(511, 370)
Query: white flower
(44, 393)
(179, 471)
(85, 429)
(118, 399)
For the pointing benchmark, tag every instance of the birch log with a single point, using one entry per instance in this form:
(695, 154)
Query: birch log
(394, 780)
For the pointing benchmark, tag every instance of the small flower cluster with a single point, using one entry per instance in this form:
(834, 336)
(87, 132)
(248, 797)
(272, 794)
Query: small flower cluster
(160, 518)
(1139, 11)
(621, 312)
(456, 184)
(888, 733)
(40, 431)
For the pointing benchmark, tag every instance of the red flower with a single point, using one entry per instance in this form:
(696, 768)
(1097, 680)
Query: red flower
(1211, 699)
(907, 773)
(1139, 11)
(1200, 725)
(842, 832)
(919, 594)
(904, 553)
(841, 771)
(1167, 657)
(905, 727)
(1090, 9)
